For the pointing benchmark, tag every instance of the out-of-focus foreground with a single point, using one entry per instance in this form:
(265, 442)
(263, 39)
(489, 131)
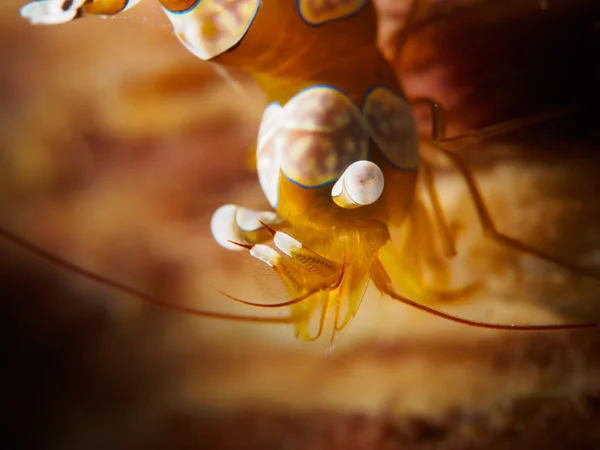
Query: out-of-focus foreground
(116, 146)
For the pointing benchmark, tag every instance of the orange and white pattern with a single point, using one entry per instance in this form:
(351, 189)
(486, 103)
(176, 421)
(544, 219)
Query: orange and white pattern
(321, 133)
(212, 27)
(392, 127)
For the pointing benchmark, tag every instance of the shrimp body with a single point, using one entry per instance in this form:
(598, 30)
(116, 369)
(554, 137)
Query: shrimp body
(337, 149)
(336, 128)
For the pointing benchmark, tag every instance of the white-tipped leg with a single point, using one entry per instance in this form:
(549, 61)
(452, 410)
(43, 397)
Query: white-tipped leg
(237, 224)
(250, 220)
(307, 258)
(51, 12)
(361, 184)
(303, 272)
(266, 255)
(223, 228)
(289, 274)
(237, 228)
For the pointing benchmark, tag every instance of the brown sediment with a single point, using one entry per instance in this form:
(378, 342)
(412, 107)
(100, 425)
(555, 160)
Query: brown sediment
(116, 148)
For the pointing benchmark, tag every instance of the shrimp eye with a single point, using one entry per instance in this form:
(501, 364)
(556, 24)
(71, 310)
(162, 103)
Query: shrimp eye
(361, 184)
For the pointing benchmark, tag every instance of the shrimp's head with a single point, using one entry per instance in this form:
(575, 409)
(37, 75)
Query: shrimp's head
(323, 257)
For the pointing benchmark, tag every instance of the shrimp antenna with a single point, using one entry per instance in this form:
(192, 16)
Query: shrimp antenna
(224, 74)
(384, 284)
(129, 290)
(378, 274)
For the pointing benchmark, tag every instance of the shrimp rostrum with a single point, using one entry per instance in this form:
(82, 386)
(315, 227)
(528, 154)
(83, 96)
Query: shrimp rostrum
(337, 157)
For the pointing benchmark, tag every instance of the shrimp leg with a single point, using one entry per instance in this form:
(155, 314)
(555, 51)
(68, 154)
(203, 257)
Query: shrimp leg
(439, 120)
(485, 218)
(438, 212)
(383, 282)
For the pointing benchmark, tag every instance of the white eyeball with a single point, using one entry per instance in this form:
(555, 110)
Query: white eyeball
(361, 184)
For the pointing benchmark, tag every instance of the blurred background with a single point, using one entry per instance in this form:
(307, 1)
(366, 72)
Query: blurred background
(116, 146)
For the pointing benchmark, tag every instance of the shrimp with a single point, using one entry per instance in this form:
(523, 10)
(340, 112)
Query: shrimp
(338, 158)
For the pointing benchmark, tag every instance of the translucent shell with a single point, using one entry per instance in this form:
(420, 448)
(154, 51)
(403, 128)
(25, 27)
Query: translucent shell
(210, 27)
(392, 127)
(321, 133)
(317, 12)
(268, 163)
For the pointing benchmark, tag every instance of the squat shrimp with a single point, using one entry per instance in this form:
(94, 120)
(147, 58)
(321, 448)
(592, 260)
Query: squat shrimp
(337, 157)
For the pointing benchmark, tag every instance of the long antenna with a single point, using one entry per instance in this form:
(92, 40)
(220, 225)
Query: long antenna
(129, 290)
